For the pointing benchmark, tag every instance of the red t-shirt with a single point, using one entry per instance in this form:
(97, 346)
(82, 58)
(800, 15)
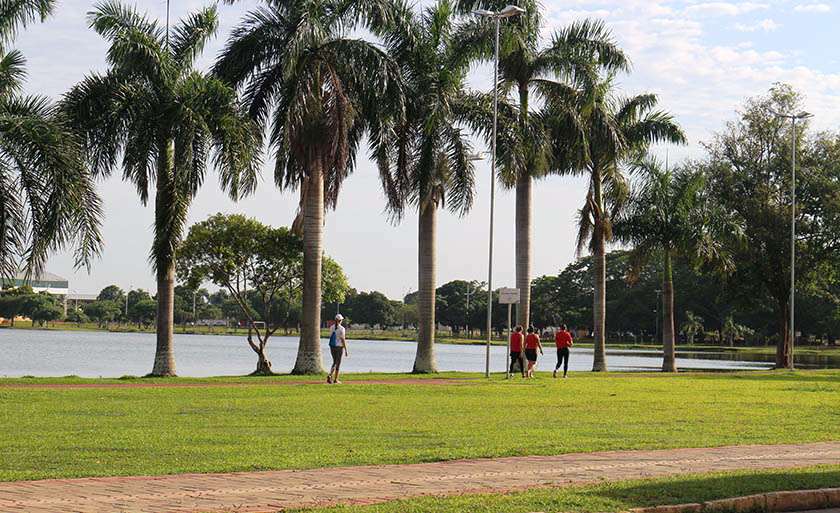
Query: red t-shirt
(532, 340)
(516, 342)
(563, 339)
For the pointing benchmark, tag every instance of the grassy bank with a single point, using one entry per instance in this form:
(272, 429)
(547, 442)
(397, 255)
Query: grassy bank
(613, 497)
(70, 432)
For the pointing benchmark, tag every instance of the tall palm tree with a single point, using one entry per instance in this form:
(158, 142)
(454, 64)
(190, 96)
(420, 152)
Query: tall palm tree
(670, 214)
(318, 91)
(431, 154)
(595, 133)
(575, 50)
(47, 196)
(166, 120)
(692, 326)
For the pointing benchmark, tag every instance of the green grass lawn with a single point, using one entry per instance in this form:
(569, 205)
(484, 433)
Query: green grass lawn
(612, 497)
(72, 432)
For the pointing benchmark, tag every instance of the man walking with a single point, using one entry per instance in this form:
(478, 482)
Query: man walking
(563, 340)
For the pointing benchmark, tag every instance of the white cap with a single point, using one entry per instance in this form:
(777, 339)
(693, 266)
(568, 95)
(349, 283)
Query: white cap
(339, 317)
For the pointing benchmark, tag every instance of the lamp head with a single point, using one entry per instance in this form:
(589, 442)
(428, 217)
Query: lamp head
(804, 115)
(511, 10)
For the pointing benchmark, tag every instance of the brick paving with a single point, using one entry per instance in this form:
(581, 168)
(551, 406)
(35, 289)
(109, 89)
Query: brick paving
(273, 491)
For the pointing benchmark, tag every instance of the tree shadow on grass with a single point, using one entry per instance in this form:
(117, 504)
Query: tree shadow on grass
(704, 488)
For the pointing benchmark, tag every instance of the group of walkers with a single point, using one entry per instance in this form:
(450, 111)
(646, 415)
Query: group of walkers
(521, 344)
(530, 343)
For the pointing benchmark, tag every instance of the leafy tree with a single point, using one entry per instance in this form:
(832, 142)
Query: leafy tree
(103, 311)
(595, 133)
(47, 196)
(317, 91)
(749, 166)
(165, 120)
(259, 267)
(669, 214)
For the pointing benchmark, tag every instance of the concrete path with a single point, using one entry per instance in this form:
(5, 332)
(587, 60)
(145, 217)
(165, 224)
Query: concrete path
(276, 490)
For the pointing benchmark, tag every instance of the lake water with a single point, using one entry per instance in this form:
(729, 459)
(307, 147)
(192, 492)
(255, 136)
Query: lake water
(96, 353)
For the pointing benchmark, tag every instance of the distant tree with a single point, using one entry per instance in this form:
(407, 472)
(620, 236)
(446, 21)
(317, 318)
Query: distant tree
(12, 302)
(112, 293)
(692, 326)
(371, 308)
(452, 304)
(143, 312)
(77, 315)
(42, 308)
(103, 312)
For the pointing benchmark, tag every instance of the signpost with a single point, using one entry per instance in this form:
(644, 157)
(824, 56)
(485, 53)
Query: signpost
(508, 296)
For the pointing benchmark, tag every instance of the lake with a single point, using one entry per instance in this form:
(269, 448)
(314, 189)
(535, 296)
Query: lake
(105, 354)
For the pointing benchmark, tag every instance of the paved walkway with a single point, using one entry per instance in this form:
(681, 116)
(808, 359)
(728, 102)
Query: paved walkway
(276, 490)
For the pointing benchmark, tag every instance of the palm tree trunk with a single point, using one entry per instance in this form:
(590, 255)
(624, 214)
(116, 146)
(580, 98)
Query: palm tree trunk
(523, 249)
(425, 362)
(309, 349)
(784, 348)
(599, 310)
(669, 360)
(165, 323)
(523, 225)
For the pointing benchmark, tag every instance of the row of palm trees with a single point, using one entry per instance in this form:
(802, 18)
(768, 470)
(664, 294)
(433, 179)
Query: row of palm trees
(292, 72)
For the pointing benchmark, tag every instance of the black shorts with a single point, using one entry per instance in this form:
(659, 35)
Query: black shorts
(337, 353)
(531, 355)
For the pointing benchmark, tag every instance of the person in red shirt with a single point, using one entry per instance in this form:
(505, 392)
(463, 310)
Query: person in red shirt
(517, 340)
(563, 340)
(532, 343)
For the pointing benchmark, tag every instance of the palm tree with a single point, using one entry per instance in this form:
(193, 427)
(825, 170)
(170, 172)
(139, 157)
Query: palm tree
(595, 133)
(47, 196)
(166, 120)
(317, 91)
(575, 50)
(692, 326)
(671, 215)
(432, 154)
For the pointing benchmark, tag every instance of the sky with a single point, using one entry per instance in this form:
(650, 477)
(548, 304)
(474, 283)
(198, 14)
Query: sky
(703, 59)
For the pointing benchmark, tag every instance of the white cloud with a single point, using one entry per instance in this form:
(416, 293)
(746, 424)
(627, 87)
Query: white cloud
(724, 8)
(765, 25)
(812, 8)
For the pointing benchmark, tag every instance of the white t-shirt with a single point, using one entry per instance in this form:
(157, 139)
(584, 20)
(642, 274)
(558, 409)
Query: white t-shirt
(340, 335)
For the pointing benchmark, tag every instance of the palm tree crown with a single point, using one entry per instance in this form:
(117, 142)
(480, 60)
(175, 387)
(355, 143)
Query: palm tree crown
(47, 196)
(166, 121)
(317, 92)
(670, 214)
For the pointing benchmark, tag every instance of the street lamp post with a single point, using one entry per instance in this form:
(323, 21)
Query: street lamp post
(497, 16)
(801, 116)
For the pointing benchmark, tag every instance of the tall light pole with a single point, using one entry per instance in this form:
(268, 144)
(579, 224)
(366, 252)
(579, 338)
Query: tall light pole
(801, 116)
(508, 12)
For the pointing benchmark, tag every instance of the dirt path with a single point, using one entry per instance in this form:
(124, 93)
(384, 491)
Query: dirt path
(176, 384)
(276, 490)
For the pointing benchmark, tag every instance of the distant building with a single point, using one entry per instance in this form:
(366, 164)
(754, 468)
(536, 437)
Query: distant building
(44, 282)
(51, 284)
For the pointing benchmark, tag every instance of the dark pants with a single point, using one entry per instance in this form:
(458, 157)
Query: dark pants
(337, 353)
(516, 359)
(563, 358)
